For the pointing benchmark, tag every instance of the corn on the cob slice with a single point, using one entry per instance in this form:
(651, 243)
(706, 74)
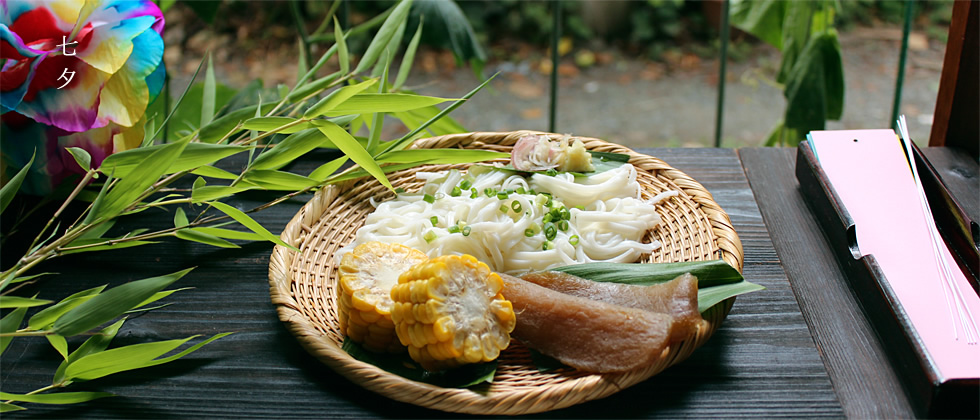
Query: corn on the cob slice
(449, 311)
(364, 303)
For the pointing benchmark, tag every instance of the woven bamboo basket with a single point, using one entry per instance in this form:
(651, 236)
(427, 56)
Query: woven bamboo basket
(302, 283)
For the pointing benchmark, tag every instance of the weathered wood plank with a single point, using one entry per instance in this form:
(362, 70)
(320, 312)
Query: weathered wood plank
(862, 376)
(761, 363)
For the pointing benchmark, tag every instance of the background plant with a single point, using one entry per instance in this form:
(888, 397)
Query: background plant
(344, 111)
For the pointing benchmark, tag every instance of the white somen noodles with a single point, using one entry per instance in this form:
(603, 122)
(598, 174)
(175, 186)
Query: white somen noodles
(607, 226)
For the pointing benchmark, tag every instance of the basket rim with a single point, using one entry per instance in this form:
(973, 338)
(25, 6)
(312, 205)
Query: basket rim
(583, 388)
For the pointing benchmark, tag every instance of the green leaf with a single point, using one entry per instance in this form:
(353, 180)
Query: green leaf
(292, 147)
(413, 119)
(440, 156)
(11, 280)
(109, 247)
(111, 304)
(204, 238)
(762, 18)
(275, 123)
(349, 145)
(229, 234)
(251, 224)
(404, 140)
(180, 100)
(717, 280)
(8, 191)
(9, 324)
(21, 302)
(160, 295)
(278, 180)
(323, 172)
(7, 407)
(222, 126)
(447, 23)
(94, 344)
(336, 98)
(212, 172)
(400, 364)
(98, 203)
(389, 52)
(360, 172)
(815, 87)
(395, 20)
(56, 398)
(313, 88)
(180, 218)
(59, 343)
(200, 182)
(408, 58)
(192, 156)
(46, 317)
(342, 54)
(796, 34)
(166, 5)
(82, 157)
(130, 357)
(127, 191)
(367, 103)
(214, 192)
(208, 95)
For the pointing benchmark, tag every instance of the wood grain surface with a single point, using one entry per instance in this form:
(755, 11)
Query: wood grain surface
(761, 363)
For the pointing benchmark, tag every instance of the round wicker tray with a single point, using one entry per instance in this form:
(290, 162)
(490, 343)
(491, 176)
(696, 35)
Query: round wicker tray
(694, 227)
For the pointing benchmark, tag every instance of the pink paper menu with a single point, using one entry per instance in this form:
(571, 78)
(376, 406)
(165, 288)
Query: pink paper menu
(872, 178)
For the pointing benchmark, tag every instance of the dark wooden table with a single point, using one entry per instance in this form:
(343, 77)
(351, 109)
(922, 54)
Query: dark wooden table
(797, 349)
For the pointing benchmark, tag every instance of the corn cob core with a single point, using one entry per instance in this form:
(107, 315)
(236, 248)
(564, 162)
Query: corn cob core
(449, 311)
(364, 303)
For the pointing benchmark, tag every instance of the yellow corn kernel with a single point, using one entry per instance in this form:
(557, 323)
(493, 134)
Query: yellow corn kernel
(364, 303)
(449, 311)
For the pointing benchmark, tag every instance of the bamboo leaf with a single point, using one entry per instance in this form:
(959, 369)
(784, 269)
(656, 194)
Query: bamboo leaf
(222, 126)
(342, 54)
(409, 57)
(275, 123)
(111, 304)
(192, 156)
(387, 30)
(312, 88)
(208, 96)
(214, 192)
(8, 191)
(108, 247)
(46, 317)
(200, 182)
(407, 138)
(448, 24)
(349, 145)
(229, 234)
(336, 98)
(379, 117)
(413, 119)
(130, 357)
(390, 50)
(125, 193)
(9, 324)
(7, 302)
(94, 344)
(180, 218)
(366, 103)
(290, 148)
(316, 67)
(59, 343)
(251, 224)
(204, 238)
(160, 295)
(7, 407)
(212, 172)
(441, 156)
(270, 179)
(11, 280)
(82, 157)
(98, 202)
(323, 172)
(180, 99)
(302, 66)
(360, 172)
(56, 398)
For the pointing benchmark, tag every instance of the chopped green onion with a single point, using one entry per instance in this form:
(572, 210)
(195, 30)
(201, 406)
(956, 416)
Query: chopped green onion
(503, 208)
(474, 193)
(521, 190)
(546, 218)
(429, 236)
(465, 185)
(547, 245)
(551, 172)
(549, 202)
(434, 220)
(565, 214)
(580, 207)
(455, 192)
(529, 232)
(555, 214)
(563, 225)
(466, 231)
(454, 229)
(516, 206)
(399, 190)
(489, 192)
(550, 231)
(428, 199)
(573, 240)
(502, 195)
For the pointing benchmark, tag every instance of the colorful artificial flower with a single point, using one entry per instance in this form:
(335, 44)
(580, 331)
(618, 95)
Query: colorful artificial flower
(76, 73)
